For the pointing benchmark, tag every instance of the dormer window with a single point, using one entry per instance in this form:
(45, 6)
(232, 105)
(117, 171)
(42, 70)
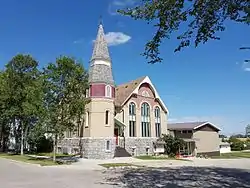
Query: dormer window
(108, 91)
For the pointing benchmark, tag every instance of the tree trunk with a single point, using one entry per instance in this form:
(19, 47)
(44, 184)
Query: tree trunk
(54, 148)
(22, 139)
(81, 124)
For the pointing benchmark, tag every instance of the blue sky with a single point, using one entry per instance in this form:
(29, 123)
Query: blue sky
(208, 83)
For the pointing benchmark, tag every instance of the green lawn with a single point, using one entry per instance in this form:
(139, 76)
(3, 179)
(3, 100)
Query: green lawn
(150, 157)
(233, 155)
(28, 159)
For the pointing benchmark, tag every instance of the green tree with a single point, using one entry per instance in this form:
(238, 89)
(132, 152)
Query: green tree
(201, 20)
(236, 144)
(24, 95)
(172, 144)
(66, 83)
(4, 120)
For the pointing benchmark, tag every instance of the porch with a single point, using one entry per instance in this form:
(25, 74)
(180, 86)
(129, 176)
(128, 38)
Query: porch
(189, 148)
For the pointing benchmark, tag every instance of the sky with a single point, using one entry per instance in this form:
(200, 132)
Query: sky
(208, 83)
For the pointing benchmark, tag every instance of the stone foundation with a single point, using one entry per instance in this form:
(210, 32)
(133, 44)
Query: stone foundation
(98, 148)
(93, 148)
(138, 145)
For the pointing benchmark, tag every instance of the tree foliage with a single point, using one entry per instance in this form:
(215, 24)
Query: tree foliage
(172, 144)
(35, 104)
(66, 83)
(22, 97)
(200, 20)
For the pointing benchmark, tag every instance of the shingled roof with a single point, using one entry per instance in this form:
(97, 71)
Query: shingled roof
(124, 90)
(189, 125)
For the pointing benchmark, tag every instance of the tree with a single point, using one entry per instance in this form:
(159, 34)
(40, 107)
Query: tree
(200, 19)
(24, 96)
(66, 83)
(172, 144)
(4, 123)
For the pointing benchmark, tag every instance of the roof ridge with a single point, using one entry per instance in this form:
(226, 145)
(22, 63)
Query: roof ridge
(129, 82)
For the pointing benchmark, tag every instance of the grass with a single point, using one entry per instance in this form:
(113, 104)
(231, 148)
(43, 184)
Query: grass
(108, 165)
(51, 154)
(150, 157)
(28, 159)
(233, 155)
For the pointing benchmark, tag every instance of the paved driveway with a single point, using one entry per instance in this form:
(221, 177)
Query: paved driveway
(220, 174)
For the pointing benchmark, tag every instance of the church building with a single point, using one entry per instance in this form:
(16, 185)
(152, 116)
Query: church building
(121, 120)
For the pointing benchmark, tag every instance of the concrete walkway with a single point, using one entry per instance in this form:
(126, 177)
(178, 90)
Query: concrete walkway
(91, 164)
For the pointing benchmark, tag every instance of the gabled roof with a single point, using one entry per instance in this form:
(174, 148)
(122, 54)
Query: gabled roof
(190, 125)
(125, 91)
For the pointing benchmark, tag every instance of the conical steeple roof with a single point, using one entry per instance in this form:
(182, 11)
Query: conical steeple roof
(100, 70)
(100, 51)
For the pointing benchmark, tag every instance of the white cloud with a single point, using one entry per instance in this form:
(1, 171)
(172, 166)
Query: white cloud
(116, 38)
(119, 4)
(247, 69)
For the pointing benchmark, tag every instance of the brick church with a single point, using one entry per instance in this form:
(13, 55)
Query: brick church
(121, 120)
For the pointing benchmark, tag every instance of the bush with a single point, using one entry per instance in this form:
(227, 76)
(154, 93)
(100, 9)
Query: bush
(172, 144)
(236, 144)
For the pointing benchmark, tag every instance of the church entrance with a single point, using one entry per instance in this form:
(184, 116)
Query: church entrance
(116, 133)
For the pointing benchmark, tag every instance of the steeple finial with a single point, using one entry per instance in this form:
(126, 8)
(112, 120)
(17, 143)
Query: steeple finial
(100, 20)
(100, 51)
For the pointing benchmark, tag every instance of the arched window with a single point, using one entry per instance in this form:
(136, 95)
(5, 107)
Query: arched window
(108, 91)
(107, 117)
(132, 108)
(157, 122)
(132, 122)
(145, 120)
(87, 119)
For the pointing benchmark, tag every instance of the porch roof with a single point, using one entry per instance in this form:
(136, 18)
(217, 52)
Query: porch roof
(188, 140)
(119, 123)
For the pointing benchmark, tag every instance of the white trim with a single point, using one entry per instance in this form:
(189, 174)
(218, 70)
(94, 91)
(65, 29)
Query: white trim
(100, 62)
(147, 80)
(203, 124)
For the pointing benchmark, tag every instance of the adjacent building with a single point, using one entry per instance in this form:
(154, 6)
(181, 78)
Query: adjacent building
(201, 138)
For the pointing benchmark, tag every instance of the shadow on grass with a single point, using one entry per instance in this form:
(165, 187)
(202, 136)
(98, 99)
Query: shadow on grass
(181, 177)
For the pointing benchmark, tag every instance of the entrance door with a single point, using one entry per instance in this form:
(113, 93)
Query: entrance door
(116, 133)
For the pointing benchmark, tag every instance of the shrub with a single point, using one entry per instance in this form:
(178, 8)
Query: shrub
(236, 144)
(172, 144)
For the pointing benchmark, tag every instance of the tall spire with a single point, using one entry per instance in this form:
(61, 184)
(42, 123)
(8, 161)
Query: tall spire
(100, 51)
(100, 70)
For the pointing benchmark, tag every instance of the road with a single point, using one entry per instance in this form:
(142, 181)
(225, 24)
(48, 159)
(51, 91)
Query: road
(20, 175)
